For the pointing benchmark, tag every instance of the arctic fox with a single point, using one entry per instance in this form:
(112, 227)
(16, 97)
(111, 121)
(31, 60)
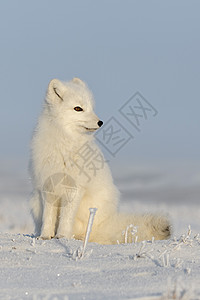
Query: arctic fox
(64, 189)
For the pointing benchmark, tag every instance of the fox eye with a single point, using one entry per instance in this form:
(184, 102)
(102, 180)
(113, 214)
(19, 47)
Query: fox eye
(78, 108)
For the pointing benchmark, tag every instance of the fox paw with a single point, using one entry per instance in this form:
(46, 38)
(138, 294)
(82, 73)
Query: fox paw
(59, 236)
(44, 237)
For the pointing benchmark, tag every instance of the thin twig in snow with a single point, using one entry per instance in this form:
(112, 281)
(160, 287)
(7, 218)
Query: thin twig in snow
(80, 252)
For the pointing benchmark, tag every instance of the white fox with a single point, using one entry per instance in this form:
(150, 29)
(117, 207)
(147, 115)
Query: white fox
(62, 191)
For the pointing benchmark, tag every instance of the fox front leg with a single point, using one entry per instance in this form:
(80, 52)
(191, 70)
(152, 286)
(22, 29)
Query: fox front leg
(50, 211)
(68, 209)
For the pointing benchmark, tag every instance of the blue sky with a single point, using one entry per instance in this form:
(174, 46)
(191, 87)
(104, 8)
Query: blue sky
(118, 48)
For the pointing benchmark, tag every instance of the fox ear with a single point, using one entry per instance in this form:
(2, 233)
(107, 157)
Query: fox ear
(79, 81)
(55, 91)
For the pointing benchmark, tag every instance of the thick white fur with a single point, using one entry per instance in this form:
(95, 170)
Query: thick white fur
(60, 133)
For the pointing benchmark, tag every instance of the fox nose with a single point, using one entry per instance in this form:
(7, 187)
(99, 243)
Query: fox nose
(100, 123)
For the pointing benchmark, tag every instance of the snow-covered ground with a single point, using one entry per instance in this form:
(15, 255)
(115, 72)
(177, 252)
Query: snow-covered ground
(35, 269)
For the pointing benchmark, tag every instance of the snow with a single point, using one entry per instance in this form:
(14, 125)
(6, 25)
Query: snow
(37, 269)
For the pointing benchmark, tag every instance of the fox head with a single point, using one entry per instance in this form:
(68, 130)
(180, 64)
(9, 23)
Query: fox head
(71, 106)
